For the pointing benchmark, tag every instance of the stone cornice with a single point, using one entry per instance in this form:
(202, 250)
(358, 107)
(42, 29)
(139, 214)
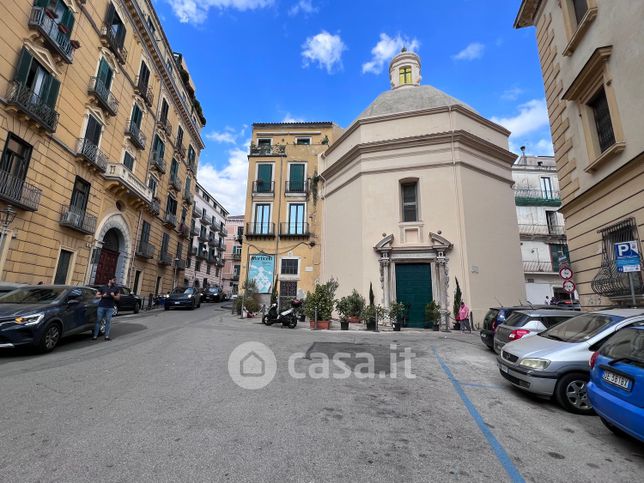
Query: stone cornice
(527, 13)
(589, 71)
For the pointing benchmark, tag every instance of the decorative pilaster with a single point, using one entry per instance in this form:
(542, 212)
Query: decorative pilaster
(443, 285)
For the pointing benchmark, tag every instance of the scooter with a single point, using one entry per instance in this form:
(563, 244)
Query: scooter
(288, 318)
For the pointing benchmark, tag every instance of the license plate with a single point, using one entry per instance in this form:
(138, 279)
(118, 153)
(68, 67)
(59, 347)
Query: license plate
(177, 303)
(503, 368)
(617, 380)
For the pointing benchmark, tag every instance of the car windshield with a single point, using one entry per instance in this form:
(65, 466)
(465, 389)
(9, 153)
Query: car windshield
(517, 319)
(182, 290)
(580, 328)
(625, 344)
(32, 295)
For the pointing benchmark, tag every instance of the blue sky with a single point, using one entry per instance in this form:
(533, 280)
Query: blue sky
(326, 60)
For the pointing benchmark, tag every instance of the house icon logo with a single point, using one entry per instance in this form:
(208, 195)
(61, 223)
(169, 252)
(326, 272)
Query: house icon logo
(252, 365)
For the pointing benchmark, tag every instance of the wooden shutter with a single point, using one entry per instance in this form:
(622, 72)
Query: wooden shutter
(145, 232)
(137, 115)
(109, 17)
(265, 174)
(24, 64)
(296, 177)
(105, 73)
(80, 195)
(68, 21)
(93, 131)
(51, 95)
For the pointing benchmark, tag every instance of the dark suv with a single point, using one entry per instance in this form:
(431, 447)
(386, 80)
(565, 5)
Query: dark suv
(128, 301)
(41, 315)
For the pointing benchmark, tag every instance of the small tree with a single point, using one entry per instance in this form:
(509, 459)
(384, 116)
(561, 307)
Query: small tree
(249, 298)
(432, 313)
(274, 293)
(351, 305)
(321, 299)
(458, 298)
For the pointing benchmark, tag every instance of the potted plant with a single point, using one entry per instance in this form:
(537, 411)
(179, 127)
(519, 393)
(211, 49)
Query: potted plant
(350, 307)
(458, 298)
(432, 315)
(319, 303)
(396, 314)
(372, 314)
(75, 44)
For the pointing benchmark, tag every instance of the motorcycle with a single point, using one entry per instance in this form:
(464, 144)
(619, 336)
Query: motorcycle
(288, 318)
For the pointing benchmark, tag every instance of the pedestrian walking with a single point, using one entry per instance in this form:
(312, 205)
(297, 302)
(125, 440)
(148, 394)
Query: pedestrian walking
(464, 317)
(107, 294)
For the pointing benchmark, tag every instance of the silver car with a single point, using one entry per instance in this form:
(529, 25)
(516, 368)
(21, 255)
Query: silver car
(555, 362)
(526, 323)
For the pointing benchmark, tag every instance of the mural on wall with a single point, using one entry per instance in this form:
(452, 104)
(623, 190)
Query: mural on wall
(261, 270)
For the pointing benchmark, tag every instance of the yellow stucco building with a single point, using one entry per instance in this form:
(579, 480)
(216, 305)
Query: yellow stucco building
(100, 132)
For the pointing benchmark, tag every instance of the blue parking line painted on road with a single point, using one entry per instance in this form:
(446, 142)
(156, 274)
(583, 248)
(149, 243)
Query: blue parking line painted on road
(498, 449)
(486, 386)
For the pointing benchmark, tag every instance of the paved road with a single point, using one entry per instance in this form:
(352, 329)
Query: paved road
(157, 404)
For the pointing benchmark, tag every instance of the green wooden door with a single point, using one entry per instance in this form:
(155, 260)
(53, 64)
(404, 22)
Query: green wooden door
(414, 289)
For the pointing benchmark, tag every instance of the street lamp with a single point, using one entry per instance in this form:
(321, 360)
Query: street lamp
(7, 215)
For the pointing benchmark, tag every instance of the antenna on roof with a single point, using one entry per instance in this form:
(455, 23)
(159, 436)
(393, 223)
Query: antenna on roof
(404, 49)
(523, 156)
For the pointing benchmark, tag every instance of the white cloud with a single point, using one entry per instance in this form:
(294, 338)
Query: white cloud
(385, 49)
(511, 94)
(304, 6)
(532, 116)
(228, 185)
(471, 52)
(288, 117)
(196, 11)
(324, 49)
(227, 137)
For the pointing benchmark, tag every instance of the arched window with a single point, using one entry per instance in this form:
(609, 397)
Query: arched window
(405, 74)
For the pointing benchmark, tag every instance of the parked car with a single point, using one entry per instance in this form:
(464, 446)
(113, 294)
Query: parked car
(41, 315)
(567, 303)
(128, 301)
(555, 361)
(526, 323)
(183, 297)
(9, 286)
(616, 387)
(213, 294)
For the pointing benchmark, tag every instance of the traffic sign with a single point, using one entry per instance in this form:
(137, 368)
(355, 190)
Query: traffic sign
(569, 286)
(565, 273)
(627, 257)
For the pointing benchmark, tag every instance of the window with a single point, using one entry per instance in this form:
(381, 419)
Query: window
(203, 233)
(151, 25)
(14, 162)
(152, 184)
(290, 266)
(128, 161)
(93, 131)
(303, 141)
(264, 178)
(240, 231)
(115, 26)
(264, 142)
(179, 252)
(236, 270)
(262, 219)
(174, 169)
(553, 223)
(158, 148)
(191, 154)
(43, 88)
(165, 242)
(145, 232)
(237, 250)
(171, 206)
(144, 77)
(296, 223)
(580, 7)
(180, 136)
(80, 196)
(184, 215)
(558, 255)
(62, 269)
(187, 186)
(137, 116)
(405, 75)
(546, 188)
(164, 111)
(104, 78)
(197, 265)
(207, 269)
(296, 177)
(603, 124)
(409, 201)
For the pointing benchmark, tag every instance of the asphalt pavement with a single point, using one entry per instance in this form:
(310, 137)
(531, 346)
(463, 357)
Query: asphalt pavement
(157, 403)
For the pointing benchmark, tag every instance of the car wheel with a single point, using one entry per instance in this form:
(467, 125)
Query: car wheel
(137, 307)
(115, 311)
(50, 338)
(194, 305)
(571, 393)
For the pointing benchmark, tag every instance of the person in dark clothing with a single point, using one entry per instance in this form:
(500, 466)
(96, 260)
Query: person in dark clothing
(107, 294)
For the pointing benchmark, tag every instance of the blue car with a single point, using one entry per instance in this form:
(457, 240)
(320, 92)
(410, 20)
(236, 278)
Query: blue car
(616, 387)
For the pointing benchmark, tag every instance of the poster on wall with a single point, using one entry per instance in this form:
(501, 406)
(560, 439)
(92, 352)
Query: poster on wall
(261, 270)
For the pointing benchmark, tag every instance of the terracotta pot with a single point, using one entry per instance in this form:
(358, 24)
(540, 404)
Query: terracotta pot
(354, 319)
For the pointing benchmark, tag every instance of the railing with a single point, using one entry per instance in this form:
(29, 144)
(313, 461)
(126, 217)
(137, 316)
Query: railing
(236, 255)
(534, 266)
(165, 125)
(157, 161)
(145, 91)
(205, 220)
(263, 187)
(112, 42)
(203, 254)
(272, 150)
(195, 213)
(184, 230)
(294, 229)
(297, 187)
(223, 231)
(180, 264)
(145, 250)
(234, 276)
(90, 152)
(260, 229)
(194, 231)
(542, 230)
(212, 241)
(120, 173)
(155, 206)
(165, 258)
(170, 219)
(188, 197)
(203, 237)
(135, 133)
(175, 183)
(52, 33)
(77, 219)
(32, 105)
(180, 150)
(103, 95)
(16, 191)
(532, 197)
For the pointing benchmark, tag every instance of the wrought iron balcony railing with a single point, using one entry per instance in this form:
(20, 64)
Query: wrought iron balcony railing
(206, 220)
(144, 90)
(297, 187)
(32, 105)
(165, 258)
(155, 206)
(136, 135)
(180, 150)
(236, 255)
(193, 251)
(170, 219)
(194, 231)
(203, 254)
(184, 230)
(271, 150)
(145, 250)
(103, 95)
(180, 264)
(536, 266)
(222, 247)
(157, 161)
(262, 229)
(113, 43)
(542, 230)
(203, 237)
(263, 187)
(292, 229)
(52, 33)
(212, 241)
(77, 219)
(88, 151)
(120, 173)
(175, 183)
(532, 197)
(15, 191)
(192, 166)
(188, 197)
(165, 125)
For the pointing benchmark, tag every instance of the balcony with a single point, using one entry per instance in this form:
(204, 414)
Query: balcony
(542, 230)
(530, 197)
(155, 206)
(109, 38)
(212, 241)
(17, 192)
(32, 105)
(78, 220)
(142, 89)
(193, 251)
(260, 230)
(263, 188)
(157, 162)
(205, 220)
(536, 266)
(223, 231)
(90, 153)
(52, 34)
(296, 188)
(188, 198)
(105, 98)
(184, 230)
(128, 182)
(268, 150)
(180, 151)
(194, 231)
(165, 125)
(175, 183)
(165, 258)
(294, 230)
(203, 237)
(136, 136)
(195, 213)
(234, 277)
(180, 264)
(222, 247)
(236, 255)
(145, 250)
(203, 254)
(170, 219)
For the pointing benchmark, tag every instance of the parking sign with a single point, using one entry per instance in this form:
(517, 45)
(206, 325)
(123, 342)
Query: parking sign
(627, 257)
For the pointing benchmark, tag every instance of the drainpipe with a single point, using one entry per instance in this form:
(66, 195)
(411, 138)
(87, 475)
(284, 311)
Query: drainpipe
(323, 224)
(133, 255)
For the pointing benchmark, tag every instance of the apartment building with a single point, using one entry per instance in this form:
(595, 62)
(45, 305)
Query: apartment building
(232, 262)
(282, 231)
(208, 233)
(541, 226)
(591, 63)
(100, 131)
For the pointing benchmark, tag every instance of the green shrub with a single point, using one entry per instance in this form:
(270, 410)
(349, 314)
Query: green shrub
(322, 299)
(351, 305)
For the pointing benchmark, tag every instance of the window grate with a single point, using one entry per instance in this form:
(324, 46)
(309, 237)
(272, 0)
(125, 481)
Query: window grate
(603, 124)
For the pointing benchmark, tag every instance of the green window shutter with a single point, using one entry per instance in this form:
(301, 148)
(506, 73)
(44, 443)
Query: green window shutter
(52, 95)
(105, 73)
(264, 177)
(136, 115)
(42, 3)
(68, 21)
(296, 178)
(24, 63)
(109, 18)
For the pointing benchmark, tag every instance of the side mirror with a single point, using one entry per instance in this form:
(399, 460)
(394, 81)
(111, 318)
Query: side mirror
(73, 300)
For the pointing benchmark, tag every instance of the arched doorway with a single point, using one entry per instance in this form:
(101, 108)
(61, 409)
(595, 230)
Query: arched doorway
(108, 261)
